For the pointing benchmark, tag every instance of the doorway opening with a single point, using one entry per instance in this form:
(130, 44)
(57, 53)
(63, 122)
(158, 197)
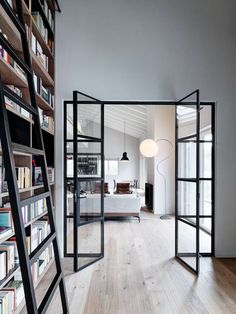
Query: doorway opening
(92, 177)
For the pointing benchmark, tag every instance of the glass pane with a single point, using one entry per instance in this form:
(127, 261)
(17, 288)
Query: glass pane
(89, 165)
(70, 235)
(186, 120)
(205, 160)
(187, 160)
(89, 237)
(187, 198)
(205, 235)
(205, 198)
(89, 159)
(205, 122)
(89, 120)
(187, 243)
(90, 200)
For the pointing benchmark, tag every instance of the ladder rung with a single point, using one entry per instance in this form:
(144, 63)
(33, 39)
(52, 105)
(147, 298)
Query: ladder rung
(5, 44)
(12, 16)
(41, 247)
(34, 199)
(26, 149)
(19, 101)
(50, 293)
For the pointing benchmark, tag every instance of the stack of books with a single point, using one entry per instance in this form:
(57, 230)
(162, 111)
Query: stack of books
(25, 213)
(6, 222)
(43, 91)
(38, 51)
(48, 14)
(46, 121)
(11, 296)
(39, 232)
(39, 21)
(13, 105)
(9, 258)
(23, 179)
(48, 96)
(38, 208)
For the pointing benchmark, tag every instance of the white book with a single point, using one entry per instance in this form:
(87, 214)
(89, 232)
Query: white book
(3, 265)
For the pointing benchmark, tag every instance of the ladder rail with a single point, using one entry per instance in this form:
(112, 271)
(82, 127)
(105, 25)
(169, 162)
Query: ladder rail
(8, 158)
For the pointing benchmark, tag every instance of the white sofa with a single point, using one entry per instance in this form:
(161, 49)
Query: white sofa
(115, 205)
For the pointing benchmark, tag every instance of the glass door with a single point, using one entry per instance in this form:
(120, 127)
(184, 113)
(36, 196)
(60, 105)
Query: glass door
(84, 180)
(187, 202)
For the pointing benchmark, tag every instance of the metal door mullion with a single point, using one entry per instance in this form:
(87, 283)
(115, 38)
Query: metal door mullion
(76, 203)
(198, 182)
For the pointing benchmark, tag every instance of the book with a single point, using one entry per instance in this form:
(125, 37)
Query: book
(3, 265)
(6, 222)
(4, 232)
(10, 255)
(10, 305)
(17, 287)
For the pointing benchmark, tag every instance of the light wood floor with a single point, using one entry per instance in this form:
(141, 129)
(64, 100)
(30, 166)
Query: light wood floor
(139, 275)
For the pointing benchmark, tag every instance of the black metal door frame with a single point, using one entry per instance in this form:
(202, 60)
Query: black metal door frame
(135, 102)
(76, 180)
(187, 218)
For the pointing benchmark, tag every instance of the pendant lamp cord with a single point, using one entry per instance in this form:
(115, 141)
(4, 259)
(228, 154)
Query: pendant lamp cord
(124, 134)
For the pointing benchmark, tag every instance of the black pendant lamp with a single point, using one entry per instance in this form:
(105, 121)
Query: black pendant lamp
(124, 157)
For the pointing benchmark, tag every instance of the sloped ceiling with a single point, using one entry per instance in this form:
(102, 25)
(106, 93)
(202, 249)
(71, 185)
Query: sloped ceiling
(133, 116)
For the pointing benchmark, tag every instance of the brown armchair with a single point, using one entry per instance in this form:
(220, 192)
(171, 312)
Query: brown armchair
(123, 188)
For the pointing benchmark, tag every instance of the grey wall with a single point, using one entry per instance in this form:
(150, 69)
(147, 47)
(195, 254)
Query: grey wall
(156, 49)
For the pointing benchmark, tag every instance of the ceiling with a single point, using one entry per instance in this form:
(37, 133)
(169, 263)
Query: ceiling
(133, 116)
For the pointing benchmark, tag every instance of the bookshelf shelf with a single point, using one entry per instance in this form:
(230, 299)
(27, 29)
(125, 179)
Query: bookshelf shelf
(10, 76)
(30, 189)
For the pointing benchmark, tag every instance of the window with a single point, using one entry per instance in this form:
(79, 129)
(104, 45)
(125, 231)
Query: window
(111, 167)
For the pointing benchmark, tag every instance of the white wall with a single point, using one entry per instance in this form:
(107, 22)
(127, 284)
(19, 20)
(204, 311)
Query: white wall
(156, 49)
(162, 121)
(114, 148)
(165, 129)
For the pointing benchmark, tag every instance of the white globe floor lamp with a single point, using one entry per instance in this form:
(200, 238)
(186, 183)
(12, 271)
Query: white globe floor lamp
(149, 149)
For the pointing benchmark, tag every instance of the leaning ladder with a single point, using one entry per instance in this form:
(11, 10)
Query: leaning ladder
(27, 260)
